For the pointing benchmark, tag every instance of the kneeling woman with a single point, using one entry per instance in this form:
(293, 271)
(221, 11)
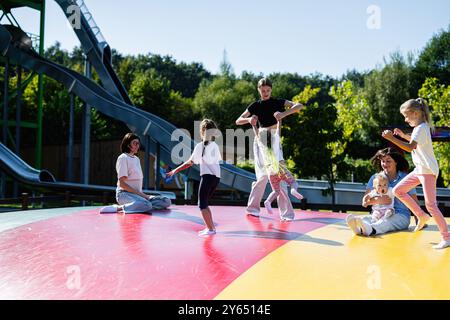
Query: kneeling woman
(129, 195)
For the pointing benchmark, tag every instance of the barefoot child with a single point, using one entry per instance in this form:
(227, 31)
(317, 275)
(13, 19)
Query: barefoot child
(380, 188)
(276, 170)
(426, 170)
(207, 155)
(267, 111)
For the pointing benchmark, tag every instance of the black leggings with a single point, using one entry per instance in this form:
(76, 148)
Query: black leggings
(208, 183)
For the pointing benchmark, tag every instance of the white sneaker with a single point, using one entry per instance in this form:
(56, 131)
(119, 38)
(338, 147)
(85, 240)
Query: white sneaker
(268, 207)
(296, 194)
(442, 245)
(109, 209)
(366, 228)
(206, 232)
(252, 213)
(287, 219)
(351, 222)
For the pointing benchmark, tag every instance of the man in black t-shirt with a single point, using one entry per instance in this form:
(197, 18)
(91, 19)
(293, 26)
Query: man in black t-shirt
(266, 113)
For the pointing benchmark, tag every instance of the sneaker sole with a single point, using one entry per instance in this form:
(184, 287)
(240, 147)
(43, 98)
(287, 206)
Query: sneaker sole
(351, 222)
(253, 214)
(361, 225)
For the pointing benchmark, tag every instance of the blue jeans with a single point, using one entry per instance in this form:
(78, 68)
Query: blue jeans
(132, 203)
(396, 222)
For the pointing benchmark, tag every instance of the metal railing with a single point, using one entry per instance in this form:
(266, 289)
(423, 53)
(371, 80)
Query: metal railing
(35, 41)
(90, 20)
(64, 200)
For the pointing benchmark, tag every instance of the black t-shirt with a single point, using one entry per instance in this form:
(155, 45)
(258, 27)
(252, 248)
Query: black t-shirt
(264, 110)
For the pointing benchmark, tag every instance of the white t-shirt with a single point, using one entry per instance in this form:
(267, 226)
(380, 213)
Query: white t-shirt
(423, 156)
(389, 193)
(130, 167)
(209, 162)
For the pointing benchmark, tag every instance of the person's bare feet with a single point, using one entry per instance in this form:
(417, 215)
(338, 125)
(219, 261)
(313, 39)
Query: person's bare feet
(268, 207)
(296, 194)
(421, 222)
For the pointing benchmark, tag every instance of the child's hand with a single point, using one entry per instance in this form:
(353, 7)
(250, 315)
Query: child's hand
(387, 134)
(253, 120)
(278, 115)
(399, 132)
(170, 173)
(365, 201)
(389, 213)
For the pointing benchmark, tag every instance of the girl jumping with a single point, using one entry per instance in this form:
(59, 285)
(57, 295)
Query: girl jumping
(417, 115)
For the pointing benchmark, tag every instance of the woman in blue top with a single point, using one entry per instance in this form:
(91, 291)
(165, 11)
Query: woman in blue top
(395, 166)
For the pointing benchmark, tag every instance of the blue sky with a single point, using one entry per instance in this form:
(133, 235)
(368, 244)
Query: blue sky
(262, 36)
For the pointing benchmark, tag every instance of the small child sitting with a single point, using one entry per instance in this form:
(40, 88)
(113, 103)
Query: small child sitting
(276, 170)
(380, 189)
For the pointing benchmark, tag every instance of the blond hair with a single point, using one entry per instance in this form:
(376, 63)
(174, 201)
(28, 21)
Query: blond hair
(421, 106)
(378, 177)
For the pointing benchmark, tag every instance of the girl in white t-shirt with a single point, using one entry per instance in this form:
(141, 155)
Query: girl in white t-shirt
(129, 195)
(417, 115)
(207, 155)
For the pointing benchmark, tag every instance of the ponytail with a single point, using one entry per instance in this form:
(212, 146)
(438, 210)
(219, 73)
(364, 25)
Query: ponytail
(419, 105)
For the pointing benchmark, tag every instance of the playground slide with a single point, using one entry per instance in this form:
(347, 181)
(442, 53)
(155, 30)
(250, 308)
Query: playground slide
(144, 123)
(95, 46)
(18, 168)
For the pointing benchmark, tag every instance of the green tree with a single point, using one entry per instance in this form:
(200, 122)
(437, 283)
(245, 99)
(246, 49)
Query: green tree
(434, 60)
(151, 92)
(354, 117)
(182, 111)
(438, 97)
(385, 89)
(353, 112)
(224, 99)
(356, 77)
(308, 139)
(226, 69)
(184, 78)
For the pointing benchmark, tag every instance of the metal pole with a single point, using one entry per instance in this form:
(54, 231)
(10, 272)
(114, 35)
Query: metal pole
(188, 189)
(157, 161)
(5, 104)
(18, 109)
(18, 120)
(70, 146)
(40, 113)
(146, 161)
(85, 139)
(5, 125)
